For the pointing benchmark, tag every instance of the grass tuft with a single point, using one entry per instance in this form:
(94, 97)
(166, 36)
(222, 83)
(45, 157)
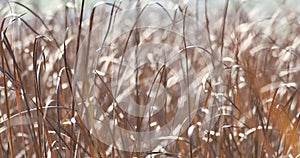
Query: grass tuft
(150, 79)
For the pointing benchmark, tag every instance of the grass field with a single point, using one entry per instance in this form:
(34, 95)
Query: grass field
(150, 79)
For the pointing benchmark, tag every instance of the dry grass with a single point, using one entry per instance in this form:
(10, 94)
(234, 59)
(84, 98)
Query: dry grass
(220, 82)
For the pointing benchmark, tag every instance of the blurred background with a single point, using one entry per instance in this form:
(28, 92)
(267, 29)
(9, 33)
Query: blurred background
(267, 6)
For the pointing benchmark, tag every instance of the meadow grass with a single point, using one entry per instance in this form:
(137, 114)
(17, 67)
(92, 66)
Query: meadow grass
(221, 81)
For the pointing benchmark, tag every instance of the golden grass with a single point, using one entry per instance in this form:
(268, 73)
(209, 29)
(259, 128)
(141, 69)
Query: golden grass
(107, 81)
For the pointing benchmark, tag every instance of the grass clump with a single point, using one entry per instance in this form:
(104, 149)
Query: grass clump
(150, 79)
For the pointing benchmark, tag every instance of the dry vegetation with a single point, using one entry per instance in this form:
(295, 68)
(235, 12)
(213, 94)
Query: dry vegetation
(222, 82)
